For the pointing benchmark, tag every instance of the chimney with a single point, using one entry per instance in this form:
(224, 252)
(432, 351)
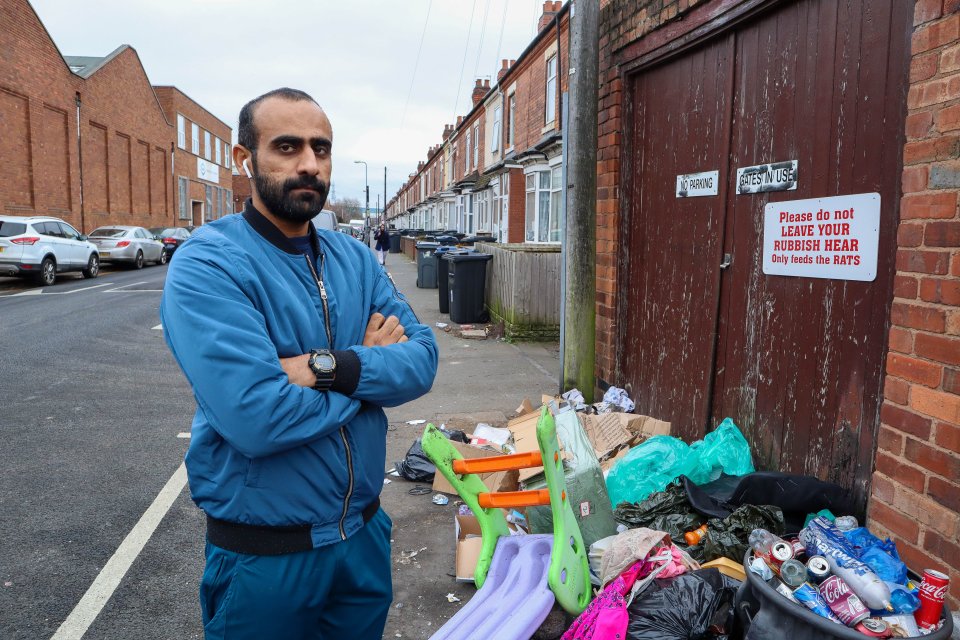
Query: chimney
(504, 67)
(459, 120)
(486, 85)
(478, 92)
(550, 9)
(447, 130)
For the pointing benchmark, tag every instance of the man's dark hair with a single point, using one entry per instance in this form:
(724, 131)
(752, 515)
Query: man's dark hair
(247, 130)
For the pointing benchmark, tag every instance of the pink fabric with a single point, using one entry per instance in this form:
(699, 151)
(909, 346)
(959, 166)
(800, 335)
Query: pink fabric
(606, 617)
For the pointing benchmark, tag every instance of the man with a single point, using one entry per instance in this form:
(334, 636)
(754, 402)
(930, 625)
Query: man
(292, 339)
(383, 243)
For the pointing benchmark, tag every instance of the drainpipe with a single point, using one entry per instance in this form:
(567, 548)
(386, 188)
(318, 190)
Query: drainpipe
(580, 229)
(83, 225)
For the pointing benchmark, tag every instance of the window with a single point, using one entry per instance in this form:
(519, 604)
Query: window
(226, 154)
(511, 110)
(495, 141)
(476, 145)
(468, 214)
(207, 151)
(195, 138)
(183, 185)
(551, 99)
(227, 201)
(208, 209)
(469, 153)
(542, 216)
(218, 148)
(181, 132)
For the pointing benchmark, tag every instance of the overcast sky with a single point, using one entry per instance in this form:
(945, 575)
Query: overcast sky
(356, 57)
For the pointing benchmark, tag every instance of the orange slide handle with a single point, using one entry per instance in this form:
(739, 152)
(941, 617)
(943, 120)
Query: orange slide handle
(513, 499)
(498, 463)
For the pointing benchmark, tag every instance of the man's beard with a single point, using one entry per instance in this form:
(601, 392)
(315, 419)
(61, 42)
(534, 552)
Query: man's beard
(283, 203)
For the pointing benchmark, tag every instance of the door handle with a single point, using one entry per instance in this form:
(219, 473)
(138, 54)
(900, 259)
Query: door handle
(727, 261)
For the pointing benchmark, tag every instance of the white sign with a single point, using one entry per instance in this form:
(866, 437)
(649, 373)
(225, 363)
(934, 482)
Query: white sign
(823, 237)
(208, 171)
(692, 185)
(778, 176)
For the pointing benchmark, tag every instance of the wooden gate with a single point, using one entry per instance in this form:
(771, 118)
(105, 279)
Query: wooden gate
(704, 334)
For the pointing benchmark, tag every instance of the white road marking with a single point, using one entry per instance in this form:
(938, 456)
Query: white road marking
(121, 288)
(159, 327)
(183, 434)
(46, 292)
(109, 578)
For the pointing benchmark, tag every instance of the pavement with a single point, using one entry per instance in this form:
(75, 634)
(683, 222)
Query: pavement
(477, 381)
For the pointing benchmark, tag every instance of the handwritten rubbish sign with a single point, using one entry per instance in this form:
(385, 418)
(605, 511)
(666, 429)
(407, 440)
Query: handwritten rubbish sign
(832, 237)
(762, 178)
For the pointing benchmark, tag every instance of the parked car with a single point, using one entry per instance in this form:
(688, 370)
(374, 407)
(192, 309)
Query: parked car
(40, 247)
(326, 219)
(171, 237)
(131, 245)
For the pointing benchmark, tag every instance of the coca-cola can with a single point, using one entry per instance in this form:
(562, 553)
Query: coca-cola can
(874, 628)
(842, 601)
(933, 590)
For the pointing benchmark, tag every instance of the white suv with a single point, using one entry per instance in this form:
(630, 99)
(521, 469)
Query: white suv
(40, 247)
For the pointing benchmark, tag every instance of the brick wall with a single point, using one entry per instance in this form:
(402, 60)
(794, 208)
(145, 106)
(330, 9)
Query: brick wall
(516, 206)
(916, 485)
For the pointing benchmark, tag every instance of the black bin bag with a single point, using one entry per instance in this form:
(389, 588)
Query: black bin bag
(692, 606)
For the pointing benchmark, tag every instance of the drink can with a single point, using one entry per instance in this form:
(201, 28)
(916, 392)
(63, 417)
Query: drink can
(780, 552)
(807, 595)
(793, 573)
(933, 590)
(786, 592)
(843, 602)
(818, 569)
(874, 628)
(846, 523)
(798, 548)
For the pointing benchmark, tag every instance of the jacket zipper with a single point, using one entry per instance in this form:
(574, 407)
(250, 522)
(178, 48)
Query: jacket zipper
(318, 277)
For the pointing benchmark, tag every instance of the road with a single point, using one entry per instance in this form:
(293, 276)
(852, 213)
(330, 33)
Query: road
(92, 407)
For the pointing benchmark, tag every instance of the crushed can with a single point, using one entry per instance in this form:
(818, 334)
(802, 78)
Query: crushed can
(844, 603)
(874, 628)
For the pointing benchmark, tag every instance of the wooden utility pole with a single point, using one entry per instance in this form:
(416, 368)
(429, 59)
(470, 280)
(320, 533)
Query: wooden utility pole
(580, 231)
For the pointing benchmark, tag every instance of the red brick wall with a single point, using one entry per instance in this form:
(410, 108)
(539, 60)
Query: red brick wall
(516, 207)
(173, 102)
(132, 167)
(39, 152)
(241, 191)
(916, 485)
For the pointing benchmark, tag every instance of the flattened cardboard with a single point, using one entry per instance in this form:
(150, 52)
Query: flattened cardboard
(468, 546)
(524, 429)
(606, 432)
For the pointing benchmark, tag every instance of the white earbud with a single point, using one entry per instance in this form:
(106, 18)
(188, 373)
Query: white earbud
(246, 169)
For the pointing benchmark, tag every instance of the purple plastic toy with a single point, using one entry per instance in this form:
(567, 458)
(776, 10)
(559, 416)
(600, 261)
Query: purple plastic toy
(515, 598)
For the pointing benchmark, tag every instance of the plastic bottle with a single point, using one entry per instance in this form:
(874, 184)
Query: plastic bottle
(694, 537)
(821, 535)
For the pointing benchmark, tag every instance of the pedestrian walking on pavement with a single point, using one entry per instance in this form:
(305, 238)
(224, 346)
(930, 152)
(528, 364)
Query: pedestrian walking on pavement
(383, 243)
(293, 340)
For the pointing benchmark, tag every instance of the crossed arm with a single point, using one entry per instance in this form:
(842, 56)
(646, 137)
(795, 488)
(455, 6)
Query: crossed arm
(381, 332)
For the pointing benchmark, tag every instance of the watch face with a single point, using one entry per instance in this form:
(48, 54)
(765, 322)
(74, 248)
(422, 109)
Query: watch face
(325, 362)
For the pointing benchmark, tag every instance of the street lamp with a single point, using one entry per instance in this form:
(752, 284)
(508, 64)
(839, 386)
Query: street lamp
(366, 189)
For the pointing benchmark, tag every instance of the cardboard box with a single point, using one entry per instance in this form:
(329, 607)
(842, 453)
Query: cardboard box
(606, 432)
(469, 543)
(497, 481)
(524, 429)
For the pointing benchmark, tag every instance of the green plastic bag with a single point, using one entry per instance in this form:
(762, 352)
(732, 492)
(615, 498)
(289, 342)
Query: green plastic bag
(655, 463)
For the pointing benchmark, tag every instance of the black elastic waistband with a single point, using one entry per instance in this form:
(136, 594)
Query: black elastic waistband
(265, 540)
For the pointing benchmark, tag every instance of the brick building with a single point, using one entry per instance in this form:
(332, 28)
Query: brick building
(856, 381)
(85, 138)
(201, 159)
(501, 162)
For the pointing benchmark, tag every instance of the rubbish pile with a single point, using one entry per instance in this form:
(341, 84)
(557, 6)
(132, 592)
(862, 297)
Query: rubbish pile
(689, 540)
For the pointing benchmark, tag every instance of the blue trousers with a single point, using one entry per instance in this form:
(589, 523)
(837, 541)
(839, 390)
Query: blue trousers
(341, 590)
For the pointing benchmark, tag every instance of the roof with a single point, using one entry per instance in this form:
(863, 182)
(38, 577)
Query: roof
(86, 66)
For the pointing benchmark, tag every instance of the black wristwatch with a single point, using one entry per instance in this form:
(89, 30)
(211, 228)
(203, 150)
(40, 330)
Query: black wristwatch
(324, 366)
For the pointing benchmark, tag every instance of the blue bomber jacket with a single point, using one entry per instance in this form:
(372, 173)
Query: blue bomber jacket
(238, 297)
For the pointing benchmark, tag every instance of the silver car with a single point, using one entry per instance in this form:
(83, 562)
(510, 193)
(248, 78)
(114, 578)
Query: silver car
(132, 245)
